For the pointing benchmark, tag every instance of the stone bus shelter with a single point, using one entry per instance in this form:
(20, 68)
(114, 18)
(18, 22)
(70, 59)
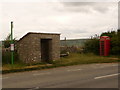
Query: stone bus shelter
(39, 47)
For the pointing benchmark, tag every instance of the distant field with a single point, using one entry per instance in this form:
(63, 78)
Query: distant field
(73, 42)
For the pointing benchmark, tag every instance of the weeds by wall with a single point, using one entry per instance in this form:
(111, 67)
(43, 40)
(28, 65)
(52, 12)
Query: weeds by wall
(6, 57)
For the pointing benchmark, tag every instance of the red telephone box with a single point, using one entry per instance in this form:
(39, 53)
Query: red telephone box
(104, 45)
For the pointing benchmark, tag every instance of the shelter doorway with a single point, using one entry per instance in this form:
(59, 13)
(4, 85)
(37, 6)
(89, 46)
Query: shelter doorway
(46, 49)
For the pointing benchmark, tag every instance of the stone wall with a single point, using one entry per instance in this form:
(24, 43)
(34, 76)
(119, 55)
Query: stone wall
(29, 47)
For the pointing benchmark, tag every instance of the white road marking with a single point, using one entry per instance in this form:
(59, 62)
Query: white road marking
(41, 74)
(34, 71)
(114, 65)
(106, 76)
(102, 66)
(74, 70)
(97, 64)
(36, 88)
(4, 77)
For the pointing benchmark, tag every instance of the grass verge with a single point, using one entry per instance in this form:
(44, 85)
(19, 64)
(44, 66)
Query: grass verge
(72, 59)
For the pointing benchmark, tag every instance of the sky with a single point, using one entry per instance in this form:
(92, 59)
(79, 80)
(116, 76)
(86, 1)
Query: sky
(73, 20)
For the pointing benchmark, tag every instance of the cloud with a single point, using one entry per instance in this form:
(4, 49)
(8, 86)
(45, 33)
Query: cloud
(101, 7)
(72, 20)
(119, 15)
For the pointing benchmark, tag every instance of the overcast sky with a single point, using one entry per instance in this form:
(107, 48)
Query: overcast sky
(73, 20)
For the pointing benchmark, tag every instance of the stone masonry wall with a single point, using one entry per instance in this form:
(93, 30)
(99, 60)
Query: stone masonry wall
(29, 48)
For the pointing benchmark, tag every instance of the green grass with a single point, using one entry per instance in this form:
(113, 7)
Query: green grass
(72, 59)
(6, 57)
(76, 58)
(9, 66)
(20, 65)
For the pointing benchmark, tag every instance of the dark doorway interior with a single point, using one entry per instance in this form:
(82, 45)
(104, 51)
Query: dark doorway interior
(46, 47)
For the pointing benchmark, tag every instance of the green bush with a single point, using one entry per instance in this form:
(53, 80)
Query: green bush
(6, 57)
(115, 41)
(92, 46)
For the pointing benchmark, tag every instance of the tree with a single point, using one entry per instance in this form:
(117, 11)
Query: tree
(92, 45)
(7, 41)
(115, 41)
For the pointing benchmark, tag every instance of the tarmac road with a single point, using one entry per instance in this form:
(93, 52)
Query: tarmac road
(78, 76)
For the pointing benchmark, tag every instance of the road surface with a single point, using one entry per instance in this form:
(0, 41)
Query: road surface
(78, 76)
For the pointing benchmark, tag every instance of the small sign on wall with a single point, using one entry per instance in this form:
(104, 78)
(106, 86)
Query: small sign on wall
(12, 47)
